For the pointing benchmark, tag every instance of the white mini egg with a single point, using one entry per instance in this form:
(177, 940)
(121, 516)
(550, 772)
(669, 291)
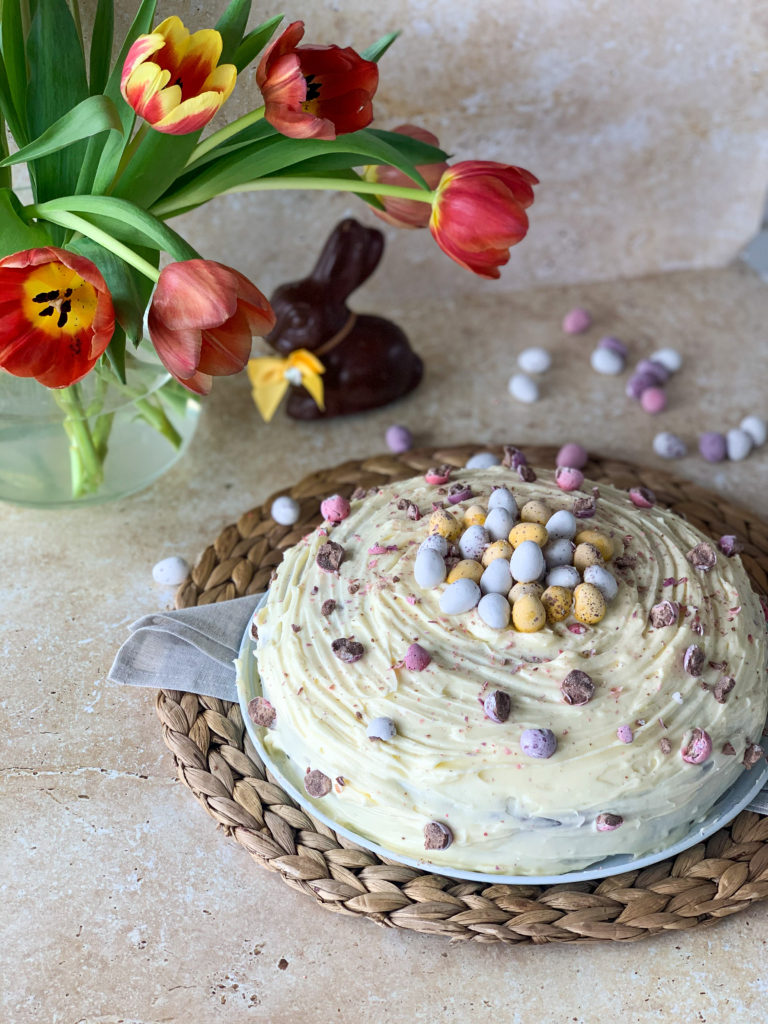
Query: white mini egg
(502, 498)
(534, 360)
(170, 572)
(473, 542)
(738, 444)
(381, 728)
(527, 562)
(458, 597)
(668, 357)
(756, 428)
(606, 361)
(435, 542)
(558, 552)
(523, 388)
(564, 576)
(429, 568)
(562, 524)
(498, 523)
(497, 578)
(285, 510)
(494, 610)
(603, 580)
(483, 460)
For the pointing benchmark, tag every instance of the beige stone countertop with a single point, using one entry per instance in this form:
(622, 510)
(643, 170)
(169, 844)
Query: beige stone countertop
(121, 901)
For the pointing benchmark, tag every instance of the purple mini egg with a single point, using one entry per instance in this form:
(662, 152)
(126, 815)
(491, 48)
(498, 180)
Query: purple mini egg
(573, 455)
(640, 382)
(653, 369)
(712, 446)
(416, 658)
(399, 439)
(614, 345)
(541, 743)
(625, 734)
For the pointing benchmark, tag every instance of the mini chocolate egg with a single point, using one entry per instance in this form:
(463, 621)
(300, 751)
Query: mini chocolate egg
(429, 568)
(603, 580)
(436, 543)
(483, 460)
(473, 542)
(285, 510)
(499, 522)
(458, 597)
(502, 498)
(497, 578)
(587, 554)
(416, 658)
(559, 552)
(521, 589)
(603, 543)
(756, 428)
(443, 523)
(538, 742)
(573, 455)
(738, 444)
(669, 446)
(528, 614)
(474, 515)
(534, 360)
(568, 478)
(528, 531)
(669, 358)
(172, 571)
(588, 604)
(527, 562)
(535, 511)
(499, 549)
(563, 576)
(712, 446)
(576, 321)
(381, 728)
(557, 602)
(466, 569)
(494, 610)
(562, 524)
(523, 388)
(607, 361)
(334, 509)
(399, 438)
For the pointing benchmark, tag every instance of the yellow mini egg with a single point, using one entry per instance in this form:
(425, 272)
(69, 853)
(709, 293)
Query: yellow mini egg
(474, 516)
(536, 512)
(528, 614)
(588, 604)
(441, 521)
(499, 549)
(557, 601)
(521, 589)
(586, 555)
(466, 569)
(603, 543)
(528, 531)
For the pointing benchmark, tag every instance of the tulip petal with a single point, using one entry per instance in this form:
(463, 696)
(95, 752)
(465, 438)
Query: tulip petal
(178, 349)
(145, 91)
(176, 38)
(221, 80)
(189, 116)
(201, 56)
(142, 48)
(198, 294)
(226, 349)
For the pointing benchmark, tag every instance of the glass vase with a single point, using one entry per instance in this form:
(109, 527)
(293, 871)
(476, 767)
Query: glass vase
(96, 441)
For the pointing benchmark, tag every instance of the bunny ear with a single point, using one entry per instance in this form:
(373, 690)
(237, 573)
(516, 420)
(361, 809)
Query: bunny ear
(349, 257)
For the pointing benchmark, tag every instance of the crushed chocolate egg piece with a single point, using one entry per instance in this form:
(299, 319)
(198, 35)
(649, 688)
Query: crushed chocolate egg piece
(261, 712)
(577, 688)
(625, 562)
(702, 557)
(698, 748)
(752, 755)
(730, 545)
(347, 650)
(330, 556)
(353, 587)
(358, 494)
(328, 607)
(317, 783)
(296, 628)
(513, 457)
(411, 509)
(608, 822)
(584, 508)
(722, 688)
(497, 706)
(526, 474)
(665, 613)
(254, 629)
(437, 836)
(664, 745)
(693, 660)
(728, 749)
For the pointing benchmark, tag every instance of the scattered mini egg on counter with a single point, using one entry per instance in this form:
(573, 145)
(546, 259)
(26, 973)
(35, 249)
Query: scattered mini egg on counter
(534, 360)
(285, 510)
(523, 388)
(170, 572)
(576, 321)
(399, 439)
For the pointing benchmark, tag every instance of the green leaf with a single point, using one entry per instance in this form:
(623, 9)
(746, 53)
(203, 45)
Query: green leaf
(5, 173)
(15, 61)
(101, 45)
(255, 42)
(155, 165)
(57, 83)
(231, 25)
(16, 232)
(121, 281)
(94, 115)
(115, 353)
(8, 110)
(379, 48)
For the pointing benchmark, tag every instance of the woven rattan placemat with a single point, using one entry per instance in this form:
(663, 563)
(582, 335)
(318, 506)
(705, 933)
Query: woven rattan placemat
(217, 761)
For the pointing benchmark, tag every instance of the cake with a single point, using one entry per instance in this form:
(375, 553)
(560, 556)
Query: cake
(431, 727)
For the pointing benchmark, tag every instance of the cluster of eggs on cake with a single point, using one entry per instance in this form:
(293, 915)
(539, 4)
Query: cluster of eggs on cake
(531, 566)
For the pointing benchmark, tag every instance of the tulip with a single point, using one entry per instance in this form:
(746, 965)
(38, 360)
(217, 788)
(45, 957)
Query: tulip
(56, 316)
(478, 213)
(198, 83)
(315, 92)
(271, 375)
(201, 320)
(406, 213)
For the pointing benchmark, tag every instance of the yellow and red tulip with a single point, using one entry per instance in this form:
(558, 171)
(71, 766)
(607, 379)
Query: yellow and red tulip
(174, 80)
(406, 213)
(271, 375)
(315, 92)
(202, 319)
(478, 213)
(56, 315)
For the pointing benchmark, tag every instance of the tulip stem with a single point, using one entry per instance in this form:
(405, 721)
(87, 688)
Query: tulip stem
(216, 138)
(103, 238)
(128, 154)
(84, 458)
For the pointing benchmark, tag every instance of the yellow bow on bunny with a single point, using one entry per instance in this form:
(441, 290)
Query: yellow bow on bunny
(271, 375)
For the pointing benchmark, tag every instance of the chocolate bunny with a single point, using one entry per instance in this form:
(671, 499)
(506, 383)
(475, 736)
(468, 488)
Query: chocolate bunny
(368, 360)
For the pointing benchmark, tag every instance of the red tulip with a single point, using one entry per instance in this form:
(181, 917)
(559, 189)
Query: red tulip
(180, 89)
(201, 321)
(56, 316)
(406, 213)
(478, 213)
(315, 92)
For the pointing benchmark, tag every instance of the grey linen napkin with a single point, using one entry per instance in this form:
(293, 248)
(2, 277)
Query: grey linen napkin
(194, 650)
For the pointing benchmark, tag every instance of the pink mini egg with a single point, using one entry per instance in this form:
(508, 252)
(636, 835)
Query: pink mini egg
(653, 400)
(568, 478)
(698, 748)
(642, 497)
(573, 455)
(416, 658)
(576, 321)
(334, 509)
(438, 474)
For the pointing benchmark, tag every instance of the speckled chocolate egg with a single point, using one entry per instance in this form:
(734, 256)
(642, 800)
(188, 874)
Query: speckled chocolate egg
(557, 603)
(466, 569)
(588, 604)
(499, 549)
(585, 555)
(535, 511)
(445, 524)
(528, 614)
(528, 531)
